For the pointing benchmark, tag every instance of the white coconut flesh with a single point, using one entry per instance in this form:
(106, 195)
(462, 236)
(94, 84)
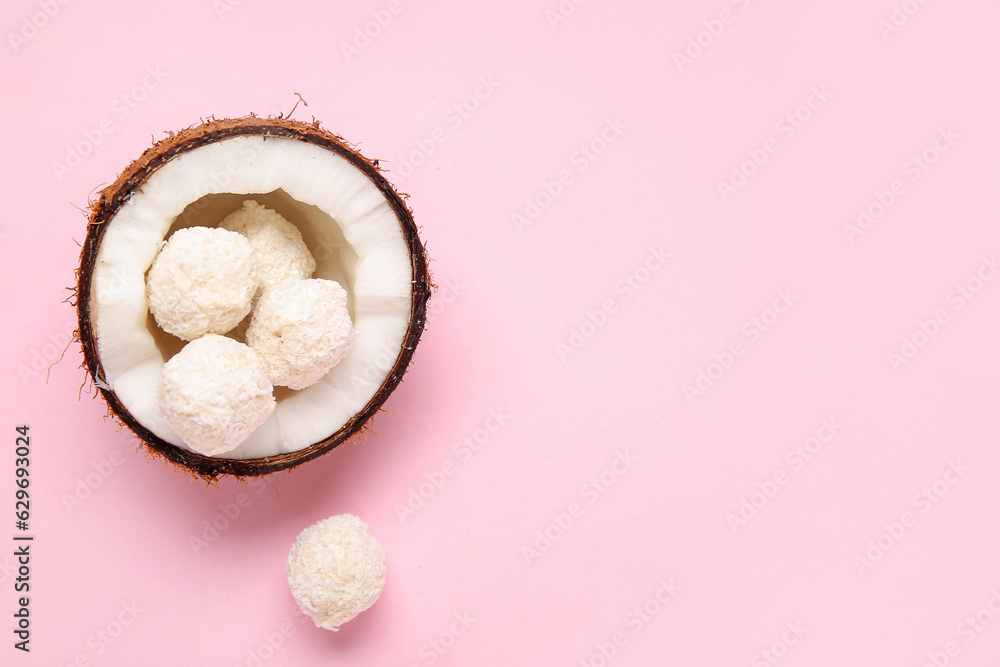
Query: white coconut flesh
(348, 225)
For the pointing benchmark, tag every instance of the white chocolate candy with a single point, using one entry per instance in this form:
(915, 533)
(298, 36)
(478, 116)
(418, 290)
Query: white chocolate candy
(281, 252)
(214, 393)
(336, 570)
(202, 281)
(301, 329)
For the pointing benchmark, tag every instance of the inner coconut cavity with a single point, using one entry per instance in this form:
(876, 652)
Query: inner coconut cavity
(348, 226)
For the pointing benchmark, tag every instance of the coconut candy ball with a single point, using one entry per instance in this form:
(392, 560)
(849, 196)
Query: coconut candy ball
(214, 393)
(281, 252)
(301, 329)
(202, 281)
(336, 570)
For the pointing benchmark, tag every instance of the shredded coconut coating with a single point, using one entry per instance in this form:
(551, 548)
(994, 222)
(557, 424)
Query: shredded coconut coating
(336, 570)
(301, 329)
(202, 281)
(214, 393)
(281, 252)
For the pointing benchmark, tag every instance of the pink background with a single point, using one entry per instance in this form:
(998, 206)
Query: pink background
(841, 561)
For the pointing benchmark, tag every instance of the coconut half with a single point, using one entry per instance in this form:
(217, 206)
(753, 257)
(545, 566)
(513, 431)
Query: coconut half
(356, 226)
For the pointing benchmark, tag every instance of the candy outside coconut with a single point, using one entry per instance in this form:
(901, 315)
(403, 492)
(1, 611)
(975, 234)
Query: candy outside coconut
(215, 393)
(336, 570)
(301, 329)
(281, 253)
(202, 281)
(358, 230)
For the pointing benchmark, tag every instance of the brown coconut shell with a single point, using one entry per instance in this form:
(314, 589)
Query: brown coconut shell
(111, 199)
